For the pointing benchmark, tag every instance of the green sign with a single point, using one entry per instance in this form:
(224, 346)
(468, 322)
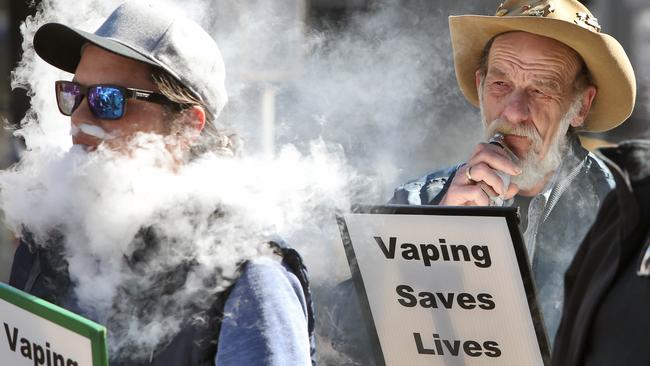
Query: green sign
(36, 332)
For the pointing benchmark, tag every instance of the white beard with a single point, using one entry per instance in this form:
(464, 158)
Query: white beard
(535, 168)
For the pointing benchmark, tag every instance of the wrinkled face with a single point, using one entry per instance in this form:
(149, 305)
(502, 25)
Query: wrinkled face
(529, 81)
(98, 66)
(528, 95)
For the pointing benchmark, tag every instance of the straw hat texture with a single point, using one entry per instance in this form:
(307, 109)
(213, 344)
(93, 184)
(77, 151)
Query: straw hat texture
(566, 21)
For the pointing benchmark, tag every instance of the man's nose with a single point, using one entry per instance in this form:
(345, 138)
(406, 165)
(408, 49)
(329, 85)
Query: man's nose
(516, 109)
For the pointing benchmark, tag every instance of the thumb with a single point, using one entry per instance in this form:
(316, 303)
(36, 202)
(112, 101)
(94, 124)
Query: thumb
(511, 192)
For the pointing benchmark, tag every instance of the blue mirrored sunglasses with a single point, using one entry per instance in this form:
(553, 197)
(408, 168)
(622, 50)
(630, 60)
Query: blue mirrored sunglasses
(104, 101)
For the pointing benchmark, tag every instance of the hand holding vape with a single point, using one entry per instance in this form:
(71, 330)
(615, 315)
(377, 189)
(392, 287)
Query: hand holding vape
(497, 139)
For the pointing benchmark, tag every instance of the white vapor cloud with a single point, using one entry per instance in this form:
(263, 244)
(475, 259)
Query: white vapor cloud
(357, 111)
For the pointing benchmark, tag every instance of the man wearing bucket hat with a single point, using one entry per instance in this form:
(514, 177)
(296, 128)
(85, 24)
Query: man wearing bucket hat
(170, 74)
(539, 71)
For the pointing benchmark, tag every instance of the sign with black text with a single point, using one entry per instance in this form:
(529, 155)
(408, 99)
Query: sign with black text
(444, 285)
(35, 332)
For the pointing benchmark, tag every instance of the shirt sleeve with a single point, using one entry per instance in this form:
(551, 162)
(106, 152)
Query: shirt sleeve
(426, 190)
(265, 319)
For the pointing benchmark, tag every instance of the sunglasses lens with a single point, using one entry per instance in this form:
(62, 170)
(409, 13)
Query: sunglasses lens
(106, 102)
(68, 96)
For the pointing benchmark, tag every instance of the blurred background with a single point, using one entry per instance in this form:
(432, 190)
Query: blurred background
(397, 145)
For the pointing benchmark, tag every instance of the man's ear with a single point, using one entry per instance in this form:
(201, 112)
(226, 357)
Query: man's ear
(187, 128)
(588, 96)
(194, 118)
(477, 78)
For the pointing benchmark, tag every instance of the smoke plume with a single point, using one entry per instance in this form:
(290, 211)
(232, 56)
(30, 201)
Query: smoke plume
(330, 116)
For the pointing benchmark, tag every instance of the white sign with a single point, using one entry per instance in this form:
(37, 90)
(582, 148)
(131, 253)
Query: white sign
(443, 289)
(28, 339)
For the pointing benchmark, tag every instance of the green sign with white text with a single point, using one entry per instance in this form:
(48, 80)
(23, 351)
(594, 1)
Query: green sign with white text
(36, 332)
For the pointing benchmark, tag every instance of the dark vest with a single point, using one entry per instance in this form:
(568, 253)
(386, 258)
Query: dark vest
(39, 273)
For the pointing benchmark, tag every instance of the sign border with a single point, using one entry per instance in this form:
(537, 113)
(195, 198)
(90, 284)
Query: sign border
(511, 214)
(62, 317)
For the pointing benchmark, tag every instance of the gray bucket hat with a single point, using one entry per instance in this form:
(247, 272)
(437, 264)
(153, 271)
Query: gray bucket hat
(150, 34)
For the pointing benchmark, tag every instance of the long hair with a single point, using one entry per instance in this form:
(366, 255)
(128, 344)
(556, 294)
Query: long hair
(212, 137)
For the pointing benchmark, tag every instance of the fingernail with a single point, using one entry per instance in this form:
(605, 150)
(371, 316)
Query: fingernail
(518, 170)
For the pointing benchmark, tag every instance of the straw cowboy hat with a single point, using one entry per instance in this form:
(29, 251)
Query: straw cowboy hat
(566, 21)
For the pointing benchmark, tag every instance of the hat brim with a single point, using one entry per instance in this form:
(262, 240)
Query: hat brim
(608, 64)
(60, 46)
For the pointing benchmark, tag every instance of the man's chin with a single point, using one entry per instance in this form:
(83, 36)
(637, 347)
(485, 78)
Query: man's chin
(526, 182)
(533, 175)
